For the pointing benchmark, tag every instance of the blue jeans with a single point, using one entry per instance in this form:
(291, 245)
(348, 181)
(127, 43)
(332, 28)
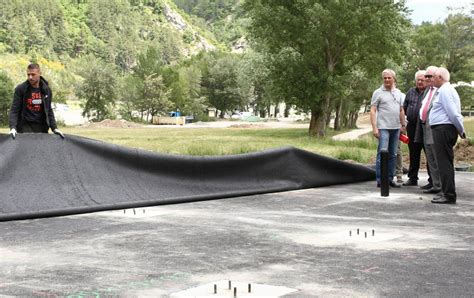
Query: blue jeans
(388, 141)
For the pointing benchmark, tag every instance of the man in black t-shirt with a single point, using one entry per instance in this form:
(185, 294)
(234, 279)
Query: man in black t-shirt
(31, 107)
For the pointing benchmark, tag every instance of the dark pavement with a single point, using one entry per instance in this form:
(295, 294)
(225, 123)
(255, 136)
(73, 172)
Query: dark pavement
(305, 240)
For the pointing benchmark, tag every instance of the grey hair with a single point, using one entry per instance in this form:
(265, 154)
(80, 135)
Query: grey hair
(420, 72)
(431, 69)
(390, 71)
(443, 73)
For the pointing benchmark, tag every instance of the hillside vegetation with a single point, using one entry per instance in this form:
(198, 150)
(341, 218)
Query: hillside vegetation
(139, 58)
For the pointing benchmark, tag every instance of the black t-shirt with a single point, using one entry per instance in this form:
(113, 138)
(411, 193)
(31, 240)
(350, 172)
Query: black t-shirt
(34, 111)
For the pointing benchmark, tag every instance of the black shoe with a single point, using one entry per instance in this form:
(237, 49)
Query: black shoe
(394, 185)
(432, 191)
(427, 186)
(410, 183)
(443, 200)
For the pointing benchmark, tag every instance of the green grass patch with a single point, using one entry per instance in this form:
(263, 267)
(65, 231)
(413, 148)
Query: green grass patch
(226, 141)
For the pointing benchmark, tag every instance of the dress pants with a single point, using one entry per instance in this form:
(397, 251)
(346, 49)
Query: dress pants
(432, 164)
(415, 153)
(445, 137)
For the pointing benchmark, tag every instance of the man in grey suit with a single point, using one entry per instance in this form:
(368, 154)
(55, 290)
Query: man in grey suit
(434, 182)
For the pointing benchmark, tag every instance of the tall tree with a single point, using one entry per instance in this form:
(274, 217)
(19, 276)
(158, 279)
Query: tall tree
(222, 86)
(97, 89)
(313, 42)
(459, 36)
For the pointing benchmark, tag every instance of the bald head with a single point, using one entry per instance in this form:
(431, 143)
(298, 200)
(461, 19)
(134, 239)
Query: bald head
(441, 76)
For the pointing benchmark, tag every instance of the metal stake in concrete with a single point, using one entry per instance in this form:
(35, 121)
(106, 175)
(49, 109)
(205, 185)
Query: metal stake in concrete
(235, 292)
(384, 156)
(134, 212)
(230, 285)
(373, 232)
(357, 231)
(350, 233)
(215, 289)
(365, 233)
(250, 288)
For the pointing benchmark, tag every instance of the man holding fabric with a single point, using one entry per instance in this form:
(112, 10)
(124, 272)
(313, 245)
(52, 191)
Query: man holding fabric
(446, 123)
(387, 118)
(31, 107)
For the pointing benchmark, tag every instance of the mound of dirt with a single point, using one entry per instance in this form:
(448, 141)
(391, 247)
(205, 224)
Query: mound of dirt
(464, 152)
(107, 123)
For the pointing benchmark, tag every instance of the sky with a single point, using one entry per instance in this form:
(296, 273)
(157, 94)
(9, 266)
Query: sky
(433, 10)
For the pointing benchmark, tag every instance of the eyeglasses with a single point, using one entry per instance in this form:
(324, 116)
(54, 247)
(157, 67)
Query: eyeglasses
(428, 76)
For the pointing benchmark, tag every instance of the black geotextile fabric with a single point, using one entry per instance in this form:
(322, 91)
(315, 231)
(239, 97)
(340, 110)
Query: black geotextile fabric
(42, 175)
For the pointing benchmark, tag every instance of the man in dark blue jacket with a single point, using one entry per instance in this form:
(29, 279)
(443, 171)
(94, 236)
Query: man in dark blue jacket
(412, 105)
(31, 107)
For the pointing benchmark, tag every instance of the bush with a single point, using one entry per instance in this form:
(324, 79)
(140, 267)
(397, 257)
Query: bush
(6, 95)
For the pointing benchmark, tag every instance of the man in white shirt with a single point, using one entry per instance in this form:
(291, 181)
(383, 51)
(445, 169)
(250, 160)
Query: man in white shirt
(446, 123)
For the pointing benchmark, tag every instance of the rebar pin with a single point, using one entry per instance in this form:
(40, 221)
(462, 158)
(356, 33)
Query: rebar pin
(365, 234)
(350, 233)
(250, 288)
(373, 232)
(235, 292)
(215, 289)
(230, 285)
(134, 211)
(357, 231)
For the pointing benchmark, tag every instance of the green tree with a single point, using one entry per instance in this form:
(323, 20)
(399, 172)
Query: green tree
(98, 88)
(449, 44)
(222, 86)
(115, 26)
(185, 89)
(254, 82)
(155, 96)
(145, 91)
(466, 94)
(313, 43)
(6, 95)
(459, 36)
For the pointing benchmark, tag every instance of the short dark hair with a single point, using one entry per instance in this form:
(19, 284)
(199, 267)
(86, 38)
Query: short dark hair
(34, 66)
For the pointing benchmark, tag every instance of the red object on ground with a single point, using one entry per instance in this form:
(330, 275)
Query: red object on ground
(404, 138)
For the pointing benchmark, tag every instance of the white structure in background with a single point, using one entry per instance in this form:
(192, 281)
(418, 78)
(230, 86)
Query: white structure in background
(70, 117)
(275, 113)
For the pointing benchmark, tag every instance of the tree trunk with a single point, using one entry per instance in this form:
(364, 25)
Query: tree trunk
(287, 110)
(317, 124)
(337, 120)
(328, 117)
(353, 119)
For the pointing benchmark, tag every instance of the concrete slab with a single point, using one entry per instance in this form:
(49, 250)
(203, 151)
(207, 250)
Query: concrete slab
(305, 240)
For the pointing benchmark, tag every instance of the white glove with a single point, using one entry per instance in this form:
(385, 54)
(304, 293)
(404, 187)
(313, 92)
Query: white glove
(58, 132)
(13, 133)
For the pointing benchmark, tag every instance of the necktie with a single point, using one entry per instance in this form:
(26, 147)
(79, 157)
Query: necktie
(427, 105)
